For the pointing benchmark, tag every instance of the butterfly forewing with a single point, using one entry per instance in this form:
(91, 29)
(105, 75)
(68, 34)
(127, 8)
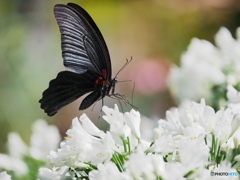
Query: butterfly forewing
(83, 46)
(100, 40)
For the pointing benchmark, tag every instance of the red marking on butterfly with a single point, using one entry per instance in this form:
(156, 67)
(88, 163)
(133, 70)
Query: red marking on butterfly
(101, 80)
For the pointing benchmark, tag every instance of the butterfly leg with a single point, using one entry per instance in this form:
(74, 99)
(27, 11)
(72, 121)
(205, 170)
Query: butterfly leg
(101, 111)
(118, 99)
(123, 98)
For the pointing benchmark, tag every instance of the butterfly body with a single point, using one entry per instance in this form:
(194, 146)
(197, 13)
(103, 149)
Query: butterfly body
(87, 59)
(106, 89)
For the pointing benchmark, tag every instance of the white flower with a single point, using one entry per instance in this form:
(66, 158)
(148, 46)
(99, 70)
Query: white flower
(180, 149)
(229, 48)
(234, 140)
(80, 146)
(133, 120)
(13, 164)
(5, 176)
(194, 154)
(233, 97)
(102, 150)
(205, 67)
(123, 126)
(89, 127)
(16, 147)
(115, 119)
(225, 41)
(175, 171)
(163, 143)
(199, 71)
(54, 174)
(206, 120)
(145, 167)
(193, 121)
(173, 124)
(223, 127)
(108, 171)
(44, 139)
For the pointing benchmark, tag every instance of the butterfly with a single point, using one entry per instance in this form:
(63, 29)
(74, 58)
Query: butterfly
(87, 59)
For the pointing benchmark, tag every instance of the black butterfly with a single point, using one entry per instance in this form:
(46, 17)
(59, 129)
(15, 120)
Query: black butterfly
(86, 55)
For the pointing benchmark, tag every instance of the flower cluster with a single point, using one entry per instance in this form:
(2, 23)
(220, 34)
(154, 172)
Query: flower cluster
(206, 70)
(193, 141)
(23, 162)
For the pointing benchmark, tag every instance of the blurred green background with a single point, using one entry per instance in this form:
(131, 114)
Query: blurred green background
(153, 32)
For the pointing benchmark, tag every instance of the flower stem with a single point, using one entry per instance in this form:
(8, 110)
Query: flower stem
(129, 145)
(119, 161)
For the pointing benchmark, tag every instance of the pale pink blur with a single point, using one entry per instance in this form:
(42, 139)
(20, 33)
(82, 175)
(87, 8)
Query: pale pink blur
(150, 76)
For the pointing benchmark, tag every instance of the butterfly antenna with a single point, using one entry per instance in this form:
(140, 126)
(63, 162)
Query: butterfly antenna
(126, 63)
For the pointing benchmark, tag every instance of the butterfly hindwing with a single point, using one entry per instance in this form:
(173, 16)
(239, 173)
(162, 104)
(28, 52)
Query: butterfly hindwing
(66, 88)
(90, 99)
